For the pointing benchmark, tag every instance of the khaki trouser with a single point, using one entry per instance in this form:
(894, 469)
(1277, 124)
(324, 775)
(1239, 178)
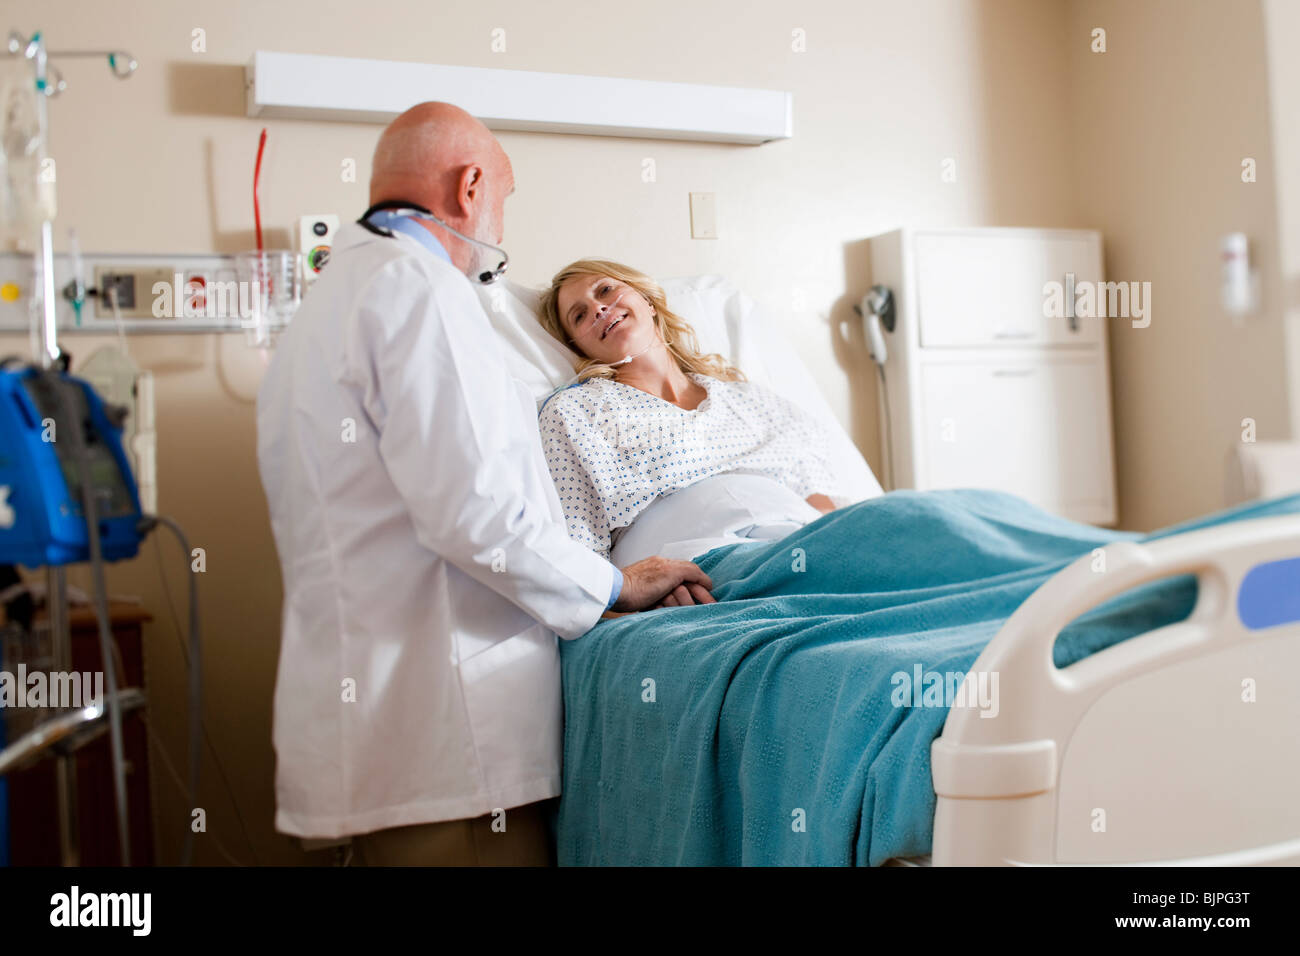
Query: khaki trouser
(526, 841)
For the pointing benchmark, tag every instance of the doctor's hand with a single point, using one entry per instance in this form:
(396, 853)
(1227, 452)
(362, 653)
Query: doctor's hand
(662, 582)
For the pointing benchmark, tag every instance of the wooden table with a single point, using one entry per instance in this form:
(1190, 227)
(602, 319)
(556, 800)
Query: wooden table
(33, 805)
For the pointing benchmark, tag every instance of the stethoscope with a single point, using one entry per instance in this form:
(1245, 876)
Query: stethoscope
(400, 207)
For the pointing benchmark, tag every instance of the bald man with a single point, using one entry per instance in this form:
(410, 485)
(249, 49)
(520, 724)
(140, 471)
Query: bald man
(426, 566)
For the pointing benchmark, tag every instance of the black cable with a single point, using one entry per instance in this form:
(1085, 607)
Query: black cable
(180, 786)
(207, 736)
(147, 523)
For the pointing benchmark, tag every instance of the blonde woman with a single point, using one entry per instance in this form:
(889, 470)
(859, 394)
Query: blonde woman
(651, 415)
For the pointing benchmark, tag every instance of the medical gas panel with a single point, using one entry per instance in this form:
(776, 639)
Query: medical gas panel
(145, 293)
(169, 292)
(997, 373)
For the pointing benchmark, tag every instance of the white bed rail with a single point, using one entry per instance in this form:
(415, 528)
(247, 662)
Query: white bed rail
(1178, 746)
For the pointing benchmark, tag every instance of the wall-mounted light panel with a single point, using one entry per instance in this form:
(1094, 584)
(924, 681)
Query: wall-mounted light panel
(305, 86)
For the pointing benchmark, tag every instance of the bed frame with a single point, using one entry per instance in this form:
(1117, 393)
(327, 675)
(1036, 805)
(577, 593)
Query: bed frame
(1179, 746)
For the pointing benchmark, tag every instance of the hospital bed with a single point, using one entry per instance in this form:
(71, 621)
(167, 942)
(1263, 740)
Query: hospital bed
(1175, 745)
(1073, 749)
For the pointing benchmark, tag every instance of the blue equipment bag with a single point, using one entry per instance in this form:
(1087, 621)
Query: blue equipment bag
(41, 517)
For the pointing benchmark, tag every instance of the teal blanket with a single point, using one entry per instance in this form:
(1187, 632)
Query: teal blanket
(776, 726)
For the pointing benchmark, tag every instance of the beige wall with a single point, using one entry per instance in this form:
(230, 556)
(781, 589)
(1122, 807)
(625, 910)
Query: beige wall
(1160, 124)
(1282, 20)
(884, 93)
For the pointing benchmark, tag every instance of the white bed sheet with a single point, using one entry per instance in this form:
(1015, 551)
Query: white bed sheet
(722, 509)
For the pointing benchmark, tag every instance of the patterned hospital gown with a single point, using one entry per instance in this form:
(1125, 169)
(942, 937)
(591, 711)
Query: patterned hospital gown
(612, 448)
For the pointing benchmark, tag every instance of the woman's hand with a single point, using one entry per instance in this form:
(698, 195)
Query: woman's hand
(821, 503)
(685, 595)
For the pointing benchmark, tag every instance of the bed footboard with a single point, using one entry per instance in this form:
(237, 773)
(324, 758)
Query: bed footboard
(1178, 746)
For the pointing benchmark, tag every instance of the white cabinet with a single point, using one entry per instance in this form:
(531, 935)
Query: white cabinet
(986, 291)
(987, 388)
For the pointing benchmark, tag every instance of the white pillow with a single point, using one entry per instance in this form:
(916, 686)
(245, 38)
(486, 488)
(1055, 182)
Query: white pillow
(725, 320)
(531, 354)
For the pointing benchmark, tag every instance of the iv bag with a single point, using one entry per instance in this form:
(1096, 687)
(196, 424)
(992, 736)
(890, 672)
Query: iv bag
(26, 171)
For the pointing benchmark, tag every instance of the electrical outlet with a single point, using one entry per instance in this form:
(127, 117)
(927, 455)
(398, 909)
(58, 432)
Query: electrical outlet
(132, 287)
(117, 287)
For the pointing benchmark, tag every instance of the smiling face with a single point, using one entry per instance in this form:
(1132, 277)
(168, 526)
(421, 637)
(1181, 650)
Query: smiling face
(606, 319)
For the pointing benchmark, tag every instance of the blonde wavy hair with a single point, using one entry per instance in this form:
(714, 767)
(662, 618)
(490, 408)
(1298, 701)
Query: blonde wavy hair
(677, 335)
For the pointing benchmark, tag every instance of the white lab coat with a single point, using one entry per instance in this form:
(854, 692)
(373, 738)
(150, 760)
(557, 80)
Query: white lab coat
(421, 543)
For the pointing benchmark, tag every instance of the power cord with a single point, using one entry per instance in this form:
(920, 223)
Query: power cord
(180, 785)
(162, 752)
(207, 737)
(195, 661)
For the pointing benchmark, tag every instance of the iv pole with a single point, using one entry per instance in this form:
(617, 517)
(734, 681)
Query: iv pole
(56, 594)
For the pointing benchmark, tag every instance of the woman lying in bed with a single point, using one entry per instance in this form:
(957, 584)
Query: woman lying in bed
(651, 416)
